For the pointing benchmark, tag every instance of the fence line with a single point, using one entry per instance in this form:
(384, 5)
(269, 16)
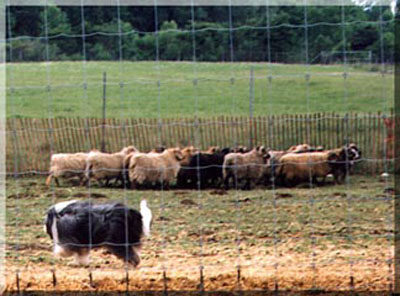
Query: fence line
(68, 135)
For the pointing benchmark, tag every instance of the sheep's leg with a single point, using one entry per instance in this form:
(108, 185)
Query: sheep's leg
(215, 182)
(126, 183)
(343, 177)
(88, 182)
(48, 179)
(314, 180)
(265, 180)
(289, 182)
(236, 181)
(133, 185)
(247, 185)
(57, 182)
(101, 184)
(178, 183)
(82, 181)
(227, 181)
(218, 182)
(165, 185)
(121, 179)
(336, 176)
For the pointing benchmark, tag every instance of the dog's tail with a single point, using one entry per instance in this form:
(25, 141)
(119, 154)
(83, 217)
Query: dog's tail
(146, 217)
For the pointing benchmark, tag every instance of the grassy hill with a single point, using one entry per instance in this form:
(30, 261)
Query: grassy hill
(178, 95)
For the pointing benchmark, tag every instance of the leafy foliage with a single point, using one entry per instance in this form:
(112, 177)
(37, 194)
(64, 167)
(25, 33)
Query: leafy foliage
(175, 34)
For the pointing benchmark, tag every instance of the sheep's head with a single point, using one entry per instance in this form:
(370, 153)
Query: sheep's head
(240, 149)
(129, 149)
(263, 152)
(159, 149)
(213, 149)
(226, 150)
(127, 159)
(177, 153)
(351, 152)
(187, 154)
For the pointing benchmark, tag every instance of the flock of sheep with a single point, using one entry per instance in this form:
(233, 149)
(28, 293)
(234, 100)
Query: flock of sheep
(191, 168)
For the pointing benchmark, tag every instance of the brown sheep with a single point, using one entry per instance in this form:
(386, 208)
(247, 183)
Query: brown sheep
(309, 166)
(107, 166)
(154, 168)
(293, 168)
(248, 166)
(68, 165)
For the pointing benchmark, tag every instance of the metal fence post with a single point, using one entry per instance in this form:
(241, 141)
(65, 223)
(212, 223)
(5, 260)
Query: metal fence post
(251, 99)
(103, 131)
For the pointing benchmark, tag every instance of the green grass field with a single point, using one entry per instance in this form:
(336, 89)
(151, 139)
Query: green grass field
(363, 91)
(330, 226)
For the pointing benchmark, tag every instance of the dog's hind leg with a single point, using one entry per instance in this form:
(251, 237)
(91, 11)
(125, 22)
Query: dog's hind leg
(82, 256)
(130, 255)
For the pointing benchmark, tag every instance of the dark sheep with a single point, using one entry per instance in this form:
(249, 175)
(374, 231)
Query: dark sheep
(204, 165)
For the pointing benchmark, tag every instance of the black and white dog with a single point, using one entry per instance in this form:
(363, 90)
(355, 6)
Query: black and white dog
(78, 226)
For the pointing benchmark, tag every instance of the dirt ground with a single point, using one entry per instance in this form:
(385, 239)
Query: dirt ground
(331, 238)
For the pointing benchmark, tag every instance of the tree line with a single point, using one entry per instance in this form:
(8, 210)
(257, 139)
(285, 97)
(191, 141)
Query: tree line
(206, 34)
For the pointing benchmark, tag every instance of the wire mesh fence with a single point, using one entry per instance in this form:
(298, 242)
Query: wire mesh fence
(68, 135)
(284, 234)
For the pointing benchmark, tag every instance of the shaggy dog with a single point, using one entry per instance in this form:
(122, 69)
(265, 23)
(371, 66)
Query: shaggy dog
(78, 226)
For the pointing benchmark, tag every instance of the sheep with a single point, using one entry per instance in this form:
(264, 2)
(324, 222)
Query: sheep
(293, 168)
(107, 166)
(346, 156)
(154, 168)
(272, 163)
(309, 166)
(248, 166)
(127, 161)
(68, 165)
(275, 156)
(207, 166)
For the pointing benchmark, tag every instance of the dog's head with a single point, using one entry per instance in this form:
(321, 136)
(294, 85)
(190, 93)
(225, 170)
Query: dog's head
(53, 214)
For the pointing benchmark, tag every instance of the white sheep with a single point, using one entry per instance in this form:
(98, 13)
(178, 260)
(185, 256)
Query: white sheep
(149, 168)
(106, 166)
(68, 165)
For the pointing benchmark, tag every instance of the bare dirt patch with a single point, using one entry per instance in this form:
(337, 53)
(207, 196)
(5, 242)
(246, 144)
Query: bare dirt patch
(285, 242)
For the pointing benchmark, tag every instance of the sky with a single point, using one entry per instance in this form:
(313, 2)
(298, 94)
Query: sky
(376, 2)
